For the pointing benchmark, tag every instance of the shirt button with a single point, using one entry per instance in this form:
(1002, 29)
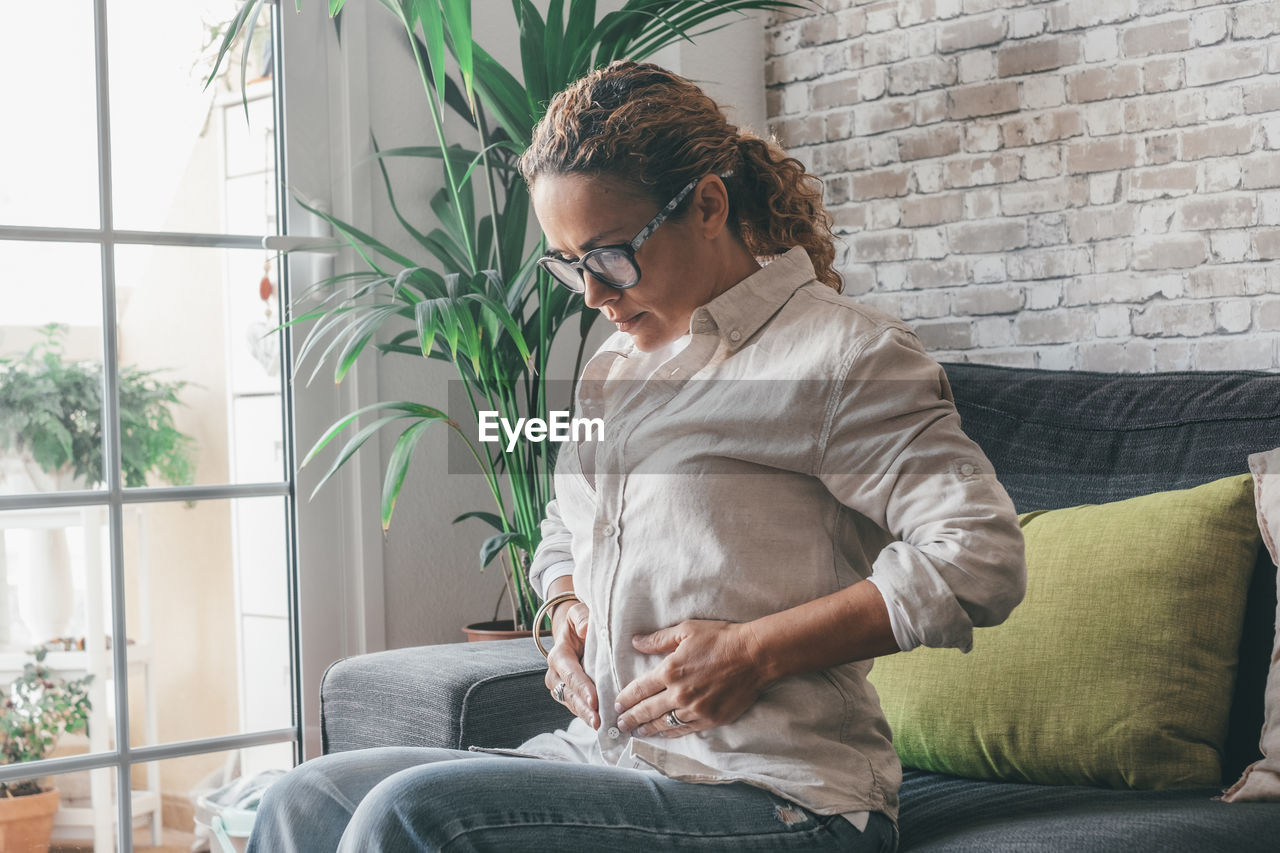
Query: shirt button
(608, 530)
(735, 335)
(966, 470)
(604, 635)
(613, 732)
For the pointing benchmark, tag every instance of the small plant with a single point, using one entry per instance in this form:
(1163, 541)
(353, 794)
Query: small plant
(51, 410)
(39, 708)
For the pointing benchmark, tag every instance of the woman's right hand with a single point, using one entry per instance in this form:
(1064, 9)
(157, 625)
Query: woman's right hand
(569, 625)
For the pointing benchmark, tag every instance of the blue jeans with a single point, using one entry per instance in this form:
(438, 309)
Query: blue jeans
(397, 800)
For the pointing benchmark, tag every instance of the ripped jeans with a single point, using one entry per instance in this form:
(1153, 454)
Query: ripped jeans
(405, 800)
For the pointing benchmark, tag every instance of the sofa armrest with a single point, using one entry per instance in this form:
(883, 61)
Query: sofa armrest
(456, 695)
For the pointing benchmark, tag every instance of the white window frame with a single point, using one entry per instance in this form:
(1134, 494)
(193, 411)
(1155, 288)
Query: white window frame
(336, 595)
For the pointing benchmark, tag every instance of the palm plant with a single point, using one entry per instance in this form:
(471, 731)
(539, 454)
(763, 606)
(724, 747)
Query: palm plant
(475, 297)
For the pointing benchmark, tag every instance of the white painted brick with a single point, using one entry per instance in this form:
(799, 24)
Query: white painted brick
(1104, 187)
(1174, 320)
(1027, 23)
(1223, 102)
(980, 136)
(929, 177)
(1020, 357)
(1048, 229)
(1052, 263)
(1052, 327)
(1220, 175)
(985, 300)
(931, 243)
(1174, 355)
(1235, 315)
(1042, 161)
(882, 17)
(1229, 247)
(988, 269)
(891, 276)
(1113, 322)
(1111, 256)
(873, 83)
(1101, 44)
(1244, 352)
(922, 41)
(1215, 280)
(1121, 287)
(1273, 59)
(1064, 357)
(1269, 208)
(851, 23)
(1043, 91)
(1209, 27)
(981, 204)
(946, 9)
(883, 150)
(883, 214)
(977, 65)
(993, 331)
(1043, 295)
(1269, 314)
(1129, 357)
(858, 279)
(931, 107)
(1271, 130)
(1156, 217)
(1104, 118)
(795, 99)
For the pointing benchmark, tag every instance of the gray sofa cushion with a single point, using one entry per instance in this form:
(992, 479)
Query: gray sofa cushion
(458, 695)
(944, 814)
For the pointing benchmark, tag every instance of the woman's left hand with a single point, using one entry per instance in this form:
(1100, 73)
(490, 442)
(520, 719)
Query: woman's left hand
(711, 675)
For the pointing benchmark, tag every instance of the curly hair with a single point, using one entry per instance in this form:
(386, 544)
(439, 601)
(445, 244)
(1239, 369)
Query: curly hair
(657, 131)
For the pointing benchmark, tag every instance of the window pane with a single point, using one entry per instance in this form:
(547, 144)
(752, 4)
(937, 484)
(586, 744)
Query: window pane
(174, 142)
(50, 142)
(195, 319)
(50, 378)
(207, 596)
(188, 787)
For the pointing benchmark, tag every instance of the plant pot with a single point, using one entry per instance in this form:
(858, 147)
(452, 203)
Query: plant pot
(501, 629)
(27, 822)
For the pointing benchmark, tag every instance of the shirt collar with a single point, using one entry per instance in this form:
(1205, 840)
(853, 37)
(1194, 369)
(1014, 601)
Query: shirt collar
(740, 311)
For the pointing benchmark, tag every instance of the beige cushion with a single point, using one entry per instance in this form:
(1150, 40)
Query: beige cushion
(1261, 780)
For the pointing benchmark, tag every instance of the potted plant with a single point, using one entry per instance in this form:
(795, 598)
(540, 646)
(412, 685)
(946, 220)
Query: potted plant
(36, 710)
(472, 294)
(51, 419)
(51, 440)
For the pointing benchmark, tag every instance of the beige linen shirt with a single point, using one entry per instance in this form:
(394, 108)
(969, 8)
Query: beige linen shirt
(799, 443)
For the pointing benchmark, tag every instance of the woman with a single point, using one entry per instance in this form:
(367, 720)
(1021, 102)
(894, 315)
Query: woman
(782, 494)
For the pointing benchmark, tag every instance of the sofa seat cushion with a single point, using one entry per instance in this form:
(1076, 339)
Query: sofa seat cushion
(946, 814)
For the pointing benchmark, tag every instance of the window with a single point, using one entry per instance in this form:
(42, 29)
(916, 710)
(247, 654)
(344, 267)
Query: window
(146, 496)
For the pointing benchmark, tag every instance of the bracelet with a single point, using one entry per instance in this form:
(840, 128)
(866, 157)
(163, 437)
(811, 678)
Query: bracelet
(547, 607)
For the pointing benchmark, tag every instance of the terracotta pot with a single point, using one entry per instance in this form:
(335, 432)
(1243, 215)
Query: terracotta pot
(502, 629)
(27, 822)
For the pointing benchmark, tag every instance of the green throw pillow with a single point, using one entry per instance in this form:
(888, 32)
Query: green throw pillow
(1116, 670)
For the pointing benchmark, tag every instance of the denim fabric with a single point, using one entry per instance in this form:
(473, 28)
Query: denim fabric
(398, 800)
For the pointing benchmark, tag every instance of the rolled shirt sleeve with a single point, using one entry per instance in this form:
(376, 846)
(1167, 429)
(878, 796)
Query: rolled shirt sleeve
(554, 556)
(892, 449)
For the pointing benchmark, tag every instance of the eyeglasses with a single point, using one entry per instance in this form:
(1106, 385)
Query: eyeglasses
(613, 265)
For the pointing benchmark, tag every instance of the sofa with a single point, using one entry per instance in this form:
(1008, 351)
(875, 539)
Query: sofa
(1056, 439)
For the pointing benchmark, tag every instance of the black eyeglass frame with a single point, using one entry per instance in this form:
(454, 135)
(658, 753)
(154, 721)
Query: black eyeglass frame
(628, 249)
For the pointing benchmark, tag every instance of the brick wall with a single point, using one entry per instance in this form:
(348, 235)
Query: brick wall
(1081, 184)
